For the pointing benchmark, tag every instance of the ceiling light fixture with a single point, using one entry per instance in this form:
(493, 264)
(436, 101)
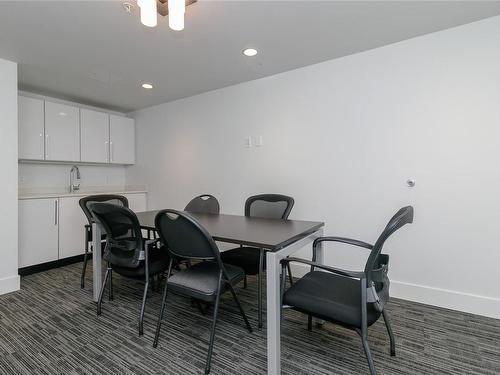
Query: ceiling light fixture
(147, 86)
(250, 52)
(149, 13)
(174, 9)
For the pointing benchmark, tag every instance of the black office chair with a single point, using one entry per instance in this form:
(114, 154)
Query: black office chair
(352, 299)
(119, 200)
(205, 281)
(251, 259)
(126, 251)
(203, 204)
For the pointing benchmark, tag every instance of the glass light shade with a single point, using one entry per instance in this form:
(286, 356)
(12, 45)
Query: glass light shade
(176, 10)
(149, 13)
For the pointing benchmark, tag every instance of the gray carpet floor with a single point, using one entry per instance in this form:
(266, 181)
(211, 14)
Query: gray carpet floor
(50, 327)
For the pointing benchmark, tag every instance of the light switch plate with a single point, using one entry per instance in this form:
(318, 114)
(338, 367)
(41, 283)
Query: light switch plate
(258, 141)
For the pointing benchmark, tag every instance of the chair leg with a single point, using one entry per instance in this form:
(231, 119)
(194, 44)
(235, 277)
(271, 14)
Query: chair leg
(143, 306)
(163, 304)
(290, 277)
(309, 322)
(160, 317)
(389, 331)
(369, 358)
(242, 312)
(99, 300)
(85, 259)
(110, 285)
(212, 333)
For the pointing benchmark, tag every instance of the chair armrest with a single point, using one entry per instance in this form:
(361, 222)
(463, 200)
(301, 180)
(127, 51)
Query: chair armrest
(348, 241)
(354, 274)
(147, 245)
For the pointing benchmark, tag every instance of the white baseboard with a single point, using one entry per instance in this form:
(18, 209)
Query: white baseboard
(449, 299)
(10, 284)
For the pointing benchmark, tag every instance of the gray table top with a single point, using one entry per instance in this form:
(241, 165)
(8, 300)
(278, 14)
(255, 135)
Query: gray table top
(271, 234)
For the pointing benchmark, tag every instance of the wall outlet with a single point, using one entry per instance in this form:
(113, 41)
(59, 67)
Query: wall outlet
(248, 142)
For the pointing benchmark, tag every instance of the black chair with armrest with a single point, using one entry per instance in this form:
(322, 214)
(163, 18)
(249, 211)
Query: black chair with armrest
(205, 281)
(352, 299)
(251, 259)
(203, 204)
(119, 200)
(127, 252)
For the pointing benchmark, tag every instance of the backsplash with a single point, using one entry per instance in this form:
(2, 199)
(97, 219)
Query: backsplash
(55, 177)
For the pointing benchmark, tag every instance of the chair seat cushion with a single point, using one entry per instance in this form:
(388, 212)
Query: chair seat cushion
(200, 281)
(244, 257)
(331, 297)
(158, 263)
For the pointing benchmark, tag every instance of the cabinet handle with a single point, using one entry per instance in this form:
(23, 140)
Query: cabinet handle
(106, 147)
(111, 150)
(41, 145)
(55, 212)
(47, 146)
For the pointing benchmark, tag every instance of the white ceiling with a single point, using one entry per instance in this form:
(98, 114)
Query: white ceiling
(96, 53)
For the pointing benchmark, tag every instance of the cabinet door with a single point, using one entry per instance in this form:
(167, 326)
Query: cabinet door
(31, 128)
(62, 132)
(38, 231)
(71, 227)
(137, 201)
(94, 136)
(122, 140)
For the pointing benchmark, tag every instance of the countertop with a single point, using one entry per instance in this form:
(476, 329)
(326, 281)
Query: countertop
(39, 194)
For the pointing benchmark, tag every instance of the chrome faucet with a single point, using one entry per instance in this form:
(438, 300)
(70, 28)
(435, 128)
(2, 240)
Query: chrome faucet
(74, 179)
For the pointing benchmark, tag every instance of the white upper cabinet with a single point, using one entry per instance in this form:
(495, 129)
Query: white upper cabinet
(62, 132)
(94, 136)
(121, 140)
(31, 128)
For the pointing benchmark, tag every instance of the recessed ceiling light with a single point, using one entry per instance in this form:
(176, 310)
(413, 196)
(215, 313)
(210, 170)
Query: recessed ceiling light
(250, 52)
(147, 86)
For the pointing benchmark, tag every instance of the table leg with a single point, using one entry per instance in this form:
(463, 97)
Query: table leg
(273, 313)
(273, 271)
(96, 260)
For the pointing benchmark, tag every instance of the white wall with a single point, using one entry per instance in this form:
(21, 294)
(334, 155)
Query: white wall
(9, 280)
(342, 137)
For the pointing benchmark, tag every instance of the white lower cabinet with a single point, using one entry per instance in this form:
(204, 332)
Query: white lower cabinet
(53, 228)
(71, 227)
(136, 201)
(38, 231)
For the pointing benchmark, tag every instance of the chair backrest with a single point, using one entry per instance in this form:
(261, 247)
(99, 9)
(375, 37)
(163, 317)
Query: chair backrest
(270, 206)
(118, 200)
(124, 242)
(203, 204)
(184, 236)
(402, 217)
